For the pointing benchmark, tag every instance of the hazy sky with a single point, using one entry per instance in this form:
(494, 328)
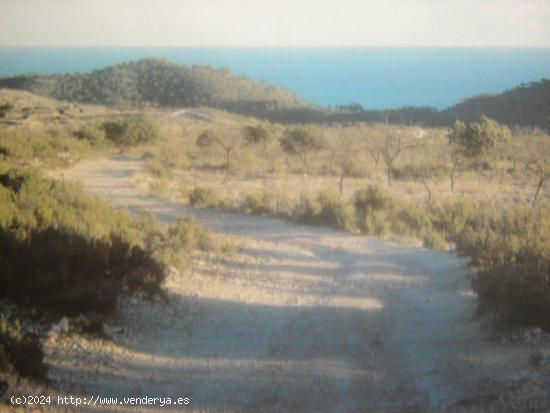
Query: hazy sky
(512, 23)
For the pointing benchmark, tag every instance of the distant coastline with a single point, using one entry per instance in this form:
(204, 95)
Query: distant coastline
(375, 78)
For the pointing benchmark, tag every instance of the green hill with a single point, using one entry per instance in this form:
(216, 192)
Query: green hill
(160, 83)
(526, 105)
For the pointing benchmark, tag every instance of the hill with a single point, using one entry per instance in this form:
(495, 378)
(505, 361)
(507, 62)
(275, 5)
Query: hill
(526, 105)
(158, 82)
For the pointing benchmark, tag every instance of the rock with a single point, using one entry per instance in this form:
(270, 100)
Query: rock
(54, 331)
(113, 329)
(64, 325)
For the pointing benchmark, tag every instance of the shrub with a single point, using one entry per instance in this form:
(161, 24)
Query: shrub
(132, 131)
(159, 169)
(373, 197)
(94, 136)
(73, 274)
(513, 251)
(259, 203)
(52, 150)
(417, 172)
(5, 108)
(201, 197)
(20, 351)
(77, 251)
(180, 241)
(327, 208)
(378, 214)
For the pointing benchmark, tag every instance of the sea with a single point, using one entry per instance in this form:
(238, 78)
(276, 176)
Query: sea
(375, 78)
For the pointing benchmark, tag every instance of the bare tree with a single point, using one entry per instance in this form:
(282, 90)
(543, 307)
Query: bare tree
(343, 148)
(228, 139)
(536, 157)
(391, 147)
(457, 158)
(542, 169)
(390, 150)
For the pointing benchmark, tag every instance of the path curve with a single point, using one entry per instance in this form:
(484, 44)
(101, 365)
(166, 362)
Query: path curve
(302, 319)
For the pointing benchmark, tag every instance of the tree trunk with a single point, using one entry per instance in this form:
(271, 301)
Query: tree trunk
(453, 170)
(303, 158)
(539, 187)
(227, 158)
(342, 183)
(389, 168)
(429, 191)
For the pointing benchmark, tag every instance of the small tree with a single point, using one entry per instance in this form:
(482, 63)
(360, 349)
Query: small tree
(302, 141)
(536, 155)
(260, 133)
(228, 139)
(457, 157)
(391, 146)
(343, 151)
(479, 141)
(542, 169)
(5, 108)
(390, 149)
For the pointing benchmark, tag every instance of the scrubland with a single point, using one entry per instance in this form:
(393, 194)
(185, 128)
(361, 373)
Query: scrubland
(62, 251)
(407, 183)
(441, 188)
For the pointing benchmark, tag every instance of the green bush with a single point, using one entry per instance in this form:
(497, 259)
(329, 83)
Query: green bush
(179, 242)
(259, 203)
(73, 274)
(512, 250)
(327, 208)
(135, 130)
(94, 136)
(5, 108)
(202, 197)
(76, 250)
(51, 150)
(378, 214)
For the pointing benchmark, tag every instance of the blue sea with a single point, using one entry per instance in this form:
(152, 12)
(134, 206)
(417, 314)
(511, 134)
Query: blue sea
(376, 78)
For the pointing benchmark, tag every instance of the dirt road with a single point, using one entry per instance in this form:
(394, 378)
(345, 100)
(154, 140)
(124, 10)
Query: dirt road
(301, 319)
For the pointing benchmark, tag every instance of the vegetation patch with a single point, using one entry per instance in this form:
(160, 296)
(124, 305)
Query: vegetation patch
(135, 130)
(20, 352)
(77, 251)
(202, 197)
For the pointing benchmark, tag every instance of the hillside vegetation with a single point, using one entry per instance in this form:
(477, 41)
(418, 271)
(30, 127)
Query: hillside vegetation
(477, 187)
(156, 82)
(64, 253)
(159, 83)
(525, 106)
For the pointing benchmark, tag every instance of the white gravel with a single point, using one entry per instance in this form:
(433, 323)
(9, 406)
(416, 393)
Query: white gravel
(301, 319)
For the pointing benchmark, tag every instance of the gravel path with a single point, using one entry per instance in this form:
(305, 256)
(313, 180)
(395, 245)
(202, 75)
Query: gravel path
(301, 319)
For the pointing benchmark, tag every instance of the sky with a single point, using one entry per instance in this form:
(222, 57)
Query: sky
(275, 23)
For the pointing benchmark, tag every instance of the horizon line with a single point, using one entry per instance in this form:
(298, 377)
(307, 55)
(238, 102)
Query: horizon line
(297, 47)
